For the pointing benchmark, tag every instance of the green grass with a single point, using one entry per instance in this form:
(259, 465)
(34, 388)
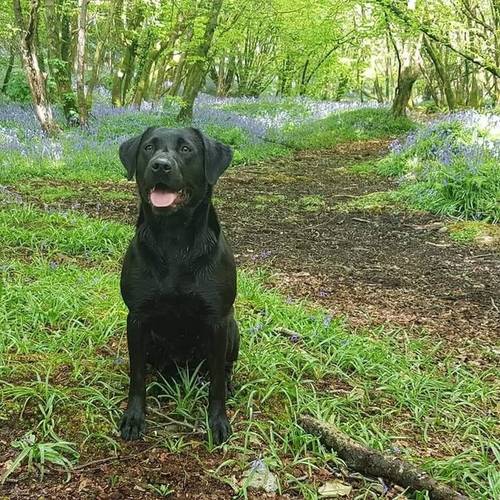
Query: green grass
(311, 203)
(477, 232)
(360, 124)
(63, 375)
(60, 234)
(373, 202)
(268, 108)
(48, 193)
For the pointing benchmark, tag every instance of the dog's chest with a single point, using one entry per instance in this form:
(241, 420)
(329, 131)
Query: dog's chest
(178, 306)
(174, 282)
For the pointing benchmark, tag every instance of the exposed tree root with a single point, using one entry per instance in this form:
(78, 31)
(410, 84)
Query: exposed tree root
(374, 463)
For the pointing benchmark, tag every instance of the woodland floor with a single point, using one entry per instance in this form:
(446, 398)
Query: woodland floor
(389, 266)
(375, 267)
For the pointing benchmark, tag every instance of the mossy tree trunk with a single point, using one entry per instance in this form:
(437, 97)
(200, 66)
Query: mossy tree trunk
(34, 75)
(80, 62)
(8, 71)
(58, 25)
(197, 71)
(409, 60)
(442, 74)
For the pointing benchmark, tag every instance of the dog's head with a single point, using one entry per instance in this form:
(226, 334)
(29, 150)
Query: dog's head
(174, 167)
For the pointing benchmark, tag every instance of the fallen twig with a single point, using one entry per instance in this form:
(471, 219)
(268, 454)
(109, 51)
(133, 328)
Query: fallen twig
(345, 196)
(357, 219)
(115, 458)
(481, 256)
(494, 305)
(440, 245)
(374, 463)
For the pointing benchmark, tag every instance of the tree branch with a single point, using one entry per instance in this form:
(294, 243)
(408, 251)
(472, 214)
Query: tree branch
(376, 464)
(411, 22)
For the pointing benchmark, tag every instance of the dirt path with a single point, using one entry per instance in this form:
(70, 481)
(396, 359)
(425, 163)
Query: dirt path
(385, 267)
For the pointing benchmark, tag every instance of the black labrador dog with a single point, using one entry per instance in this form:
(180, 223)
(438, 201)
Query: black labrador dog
(178, 278)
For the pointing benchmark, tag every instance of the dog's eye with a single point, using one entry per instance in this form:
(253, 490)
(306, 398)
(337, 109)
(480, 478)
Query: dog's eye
(185, 149)
(148, 147)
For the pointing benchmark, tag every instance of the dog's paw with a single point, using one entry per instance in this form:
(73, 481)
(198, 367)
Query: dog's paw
(132, 424)
(220, 429)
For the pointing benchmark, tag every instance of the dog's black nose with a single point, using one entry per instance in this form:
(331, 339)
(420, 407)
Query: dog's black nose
(162, 164)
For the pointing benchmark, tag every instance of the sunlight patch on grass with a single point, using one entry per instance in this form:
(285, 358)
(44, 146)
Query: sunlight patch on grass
(372, 202)
(478, 232)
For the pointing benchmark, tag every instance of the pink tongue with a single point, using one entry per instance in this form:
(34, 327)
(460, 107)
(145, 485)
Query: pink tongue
(160, 198)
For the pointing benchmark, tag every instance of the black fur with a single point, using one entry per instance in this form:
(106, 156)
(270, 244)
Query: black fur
(178, 278)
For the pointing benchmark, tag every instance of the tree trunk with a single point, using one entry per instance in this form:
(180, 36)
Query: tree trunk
(473, 98)
(100, 52)
(223, 76)
(284, 77)
(407, 78)
(122, 77)
(80, 62)
(145, 76)
(441, 73)
(8, 71)
(94, 75)
(197, 71)
(35, 77)
(495, 12)
(379, 93)
(303, 80)
(59, 57)
(408, 71)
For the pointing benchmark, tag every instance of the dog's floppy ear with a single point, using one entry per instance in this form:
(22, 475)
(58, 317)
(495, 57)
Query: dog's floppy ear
(128, 153)
(217, 156)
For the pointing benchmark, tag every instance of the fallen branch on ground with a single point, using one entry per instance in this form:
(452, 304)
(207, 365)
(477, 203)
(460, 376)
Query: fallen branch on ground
(374, 463)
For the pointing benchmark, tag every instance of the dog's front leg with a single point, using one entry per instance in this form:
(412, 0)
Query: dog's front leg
(132, 422)
(217, 416)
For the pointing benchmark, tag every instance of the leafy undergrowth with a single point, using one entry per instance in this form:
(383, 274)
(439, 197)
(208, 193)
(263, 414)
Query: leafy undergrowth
(360, 124)
(91, 155)
(63, 373)
(451, 167)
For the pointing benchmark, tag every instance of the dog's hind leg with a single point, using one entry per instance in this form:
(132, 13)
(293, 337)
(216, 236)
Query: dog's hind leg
(233, 348)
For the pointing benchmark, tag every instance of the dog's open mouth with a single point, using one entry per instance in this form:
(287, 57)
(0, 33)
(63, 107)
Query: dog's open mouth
(162, 197)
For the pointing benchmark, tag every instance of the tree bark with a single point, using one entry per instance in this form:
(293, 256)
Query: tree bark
(378, 90)
(59, 56)
(376, 464)
(406, 80)
(8, 71)
(122, 77)
(408, 70)
(197, 71)
(80, 62)
(94, 75)
(100, 51)
(35, 77)
(441, 73)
